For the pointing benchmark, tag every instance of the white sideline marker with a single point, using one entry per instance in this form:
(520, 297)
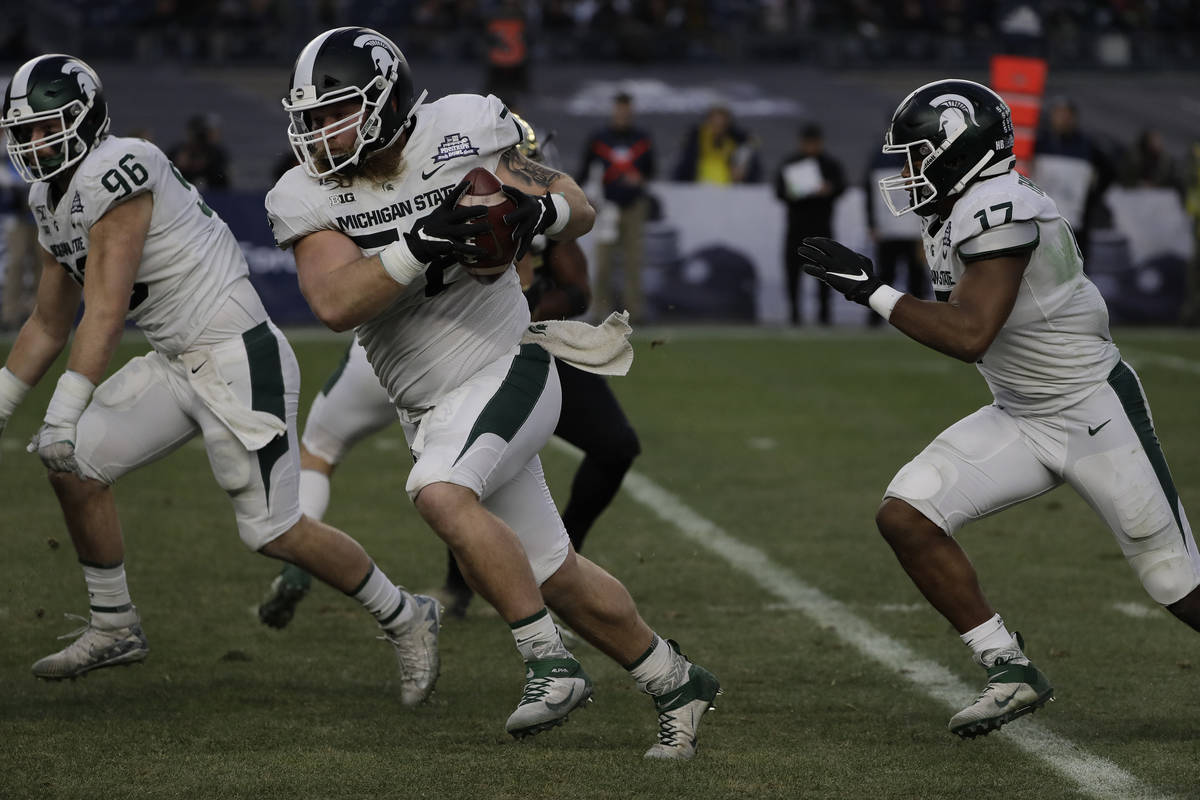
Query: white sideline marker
(1094, 775)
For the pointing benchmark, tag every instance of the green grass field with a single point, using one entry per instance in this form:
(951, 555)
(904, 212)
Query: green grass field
(785, 443)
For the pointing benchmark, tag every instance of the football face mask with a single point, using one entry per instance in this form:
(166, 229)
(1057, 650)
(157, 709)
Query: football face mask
(911, 189)
(315, 146)
(57, 146)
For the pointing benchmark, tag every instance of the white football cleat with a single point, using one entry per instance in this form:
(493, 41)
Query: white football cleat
(417, 650)
(95, 648)
(679, 713)
(554, 687)
(1015, 688)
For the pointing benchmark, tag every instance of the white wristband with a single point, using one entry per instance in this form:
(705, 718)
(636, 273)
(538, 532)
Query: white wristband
(563, 210)
(70, 398)
(883, 300)
(399, 262)
(12, 392)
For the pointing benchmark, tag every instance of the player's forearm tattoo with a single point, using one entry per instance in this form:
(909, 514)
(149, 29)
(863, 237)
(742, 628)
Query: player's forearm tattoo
(536, 173)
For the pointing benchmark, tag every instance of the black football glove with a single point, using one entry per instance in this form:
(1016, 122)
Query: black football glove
(444, 231)
(533, 215)
(837, 265)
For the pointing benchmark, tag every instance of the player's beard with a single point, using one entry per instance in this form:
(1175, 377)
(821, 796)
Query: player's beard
(385, 165)
(378, 167)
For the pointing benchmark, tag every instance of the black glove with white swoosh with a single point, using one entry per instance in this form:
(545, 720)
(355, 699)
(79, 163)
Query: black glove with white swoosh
(837, 265)
(446, 230)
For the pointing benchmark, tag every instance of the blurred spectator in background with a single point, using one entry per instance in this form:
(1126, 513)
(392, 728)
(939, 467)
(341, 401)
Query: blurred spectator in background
(808, 181)
(718, 151)
(22, 259)
(1190, 314)
(200, 158)
(625, 154)
(1072, 168)
(507, 52)
(896, 238)
(1148, 164)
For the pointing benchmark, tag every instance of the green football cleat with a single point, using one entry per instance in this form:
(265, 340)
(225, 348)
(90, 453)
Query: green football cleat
(554, 687)
(287, 590)
(679, 713)
(1015, 688)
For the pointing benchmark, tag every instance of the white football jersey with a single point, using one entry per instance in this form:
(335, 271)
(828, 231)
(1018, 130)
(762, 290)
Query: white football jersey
(425, 343)
(1055, 347)
(190, 260)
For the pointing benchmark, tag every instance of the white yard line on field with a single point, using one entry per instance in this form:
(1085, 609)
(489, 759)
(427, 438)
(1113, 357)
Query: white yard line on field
(1095, 776)
(1138, 610)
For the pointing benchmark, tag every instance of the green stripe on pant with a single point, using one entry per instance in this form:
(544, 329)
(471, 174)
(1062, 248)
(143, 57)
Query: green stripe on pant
(266, 393)
(508, 409)
(1125, 383)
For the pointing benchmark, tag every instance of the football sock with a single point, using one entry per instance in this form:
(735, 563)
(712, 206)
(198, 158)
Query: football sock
(386, 602)
(991, 635)
(537, 637)
(314, 493)
(660, 669)
(108, 596)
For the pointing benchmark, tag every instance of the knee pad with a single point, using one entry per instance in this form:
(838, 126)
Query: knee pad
(1167, 574)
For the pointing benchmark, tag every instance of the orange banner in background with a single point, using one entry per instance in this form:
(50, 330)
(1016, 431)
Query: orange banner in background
(1021, 82)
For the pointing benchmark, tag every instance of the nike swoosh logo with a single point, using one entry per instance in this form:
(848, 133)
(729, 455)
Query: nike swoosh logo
(197, 369)
(1093, 431)
(861, 276)
(427, 175)
(1002, 703)
(563, 704)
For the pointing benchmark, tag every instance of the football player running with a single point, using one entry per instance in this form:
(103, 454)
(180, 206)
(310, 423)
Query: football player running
(353, 405)
(372, 218)
(120, 227)
(1013, 298)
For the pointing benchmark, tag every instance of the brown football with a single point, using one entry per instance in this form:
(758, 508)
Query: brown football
(483, 189)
